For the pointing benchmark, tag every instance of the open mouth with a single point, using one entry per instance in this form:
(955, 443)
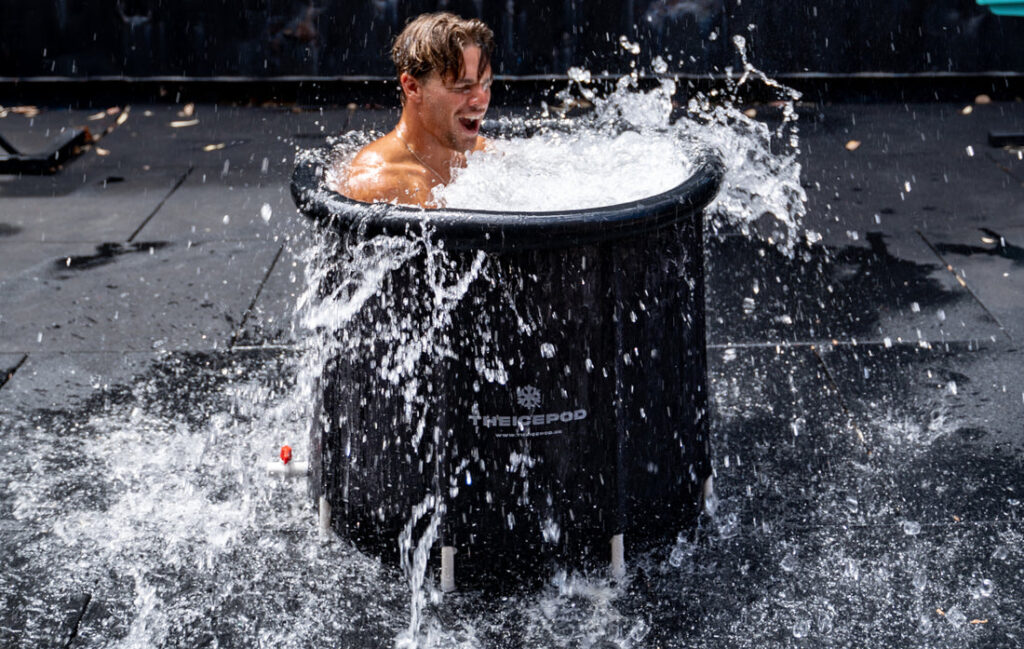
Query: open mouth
(471, 125)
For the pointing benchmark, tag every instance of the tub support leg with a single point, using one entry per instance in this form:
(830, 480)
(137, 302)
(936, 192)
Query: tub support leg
(447, 568)
(325, 518)
(707, 495)
(618, 557)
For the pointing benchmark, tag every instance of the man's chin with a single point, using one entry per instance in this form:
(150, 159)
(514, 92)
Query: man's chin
(463, 142)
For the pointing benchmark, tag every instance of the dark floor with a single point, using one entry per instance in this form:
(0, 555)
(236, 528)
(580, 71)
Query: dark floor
(868, 394)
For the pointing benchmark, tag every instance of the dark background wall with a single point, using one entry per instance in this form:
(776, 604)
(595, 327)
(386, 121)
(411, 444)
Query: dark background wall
(329, 38)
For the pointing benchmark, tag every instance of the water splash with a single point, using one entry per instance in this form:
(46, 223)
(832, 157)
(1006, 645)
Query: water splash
(154, 504)
(636, 143)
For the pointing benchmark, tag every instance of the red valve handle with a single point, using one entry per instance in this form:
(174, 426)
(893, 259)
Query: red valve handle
(286, 454)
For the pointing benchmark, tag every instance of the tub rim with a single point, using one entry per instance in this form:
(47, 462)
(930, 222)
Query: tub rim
(496, 231)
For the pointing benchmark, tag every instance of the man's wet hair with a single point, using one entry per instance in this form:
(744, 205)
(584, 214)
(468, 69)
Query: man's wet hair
(434, 42)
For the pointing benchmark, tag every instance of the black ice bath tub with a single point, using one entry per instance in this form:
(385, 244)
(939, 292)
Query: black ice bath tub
(566, 419)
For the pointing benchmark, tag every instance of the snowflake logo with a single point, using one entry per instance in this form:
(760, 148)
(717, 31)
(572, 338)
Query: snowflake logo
(528, 397)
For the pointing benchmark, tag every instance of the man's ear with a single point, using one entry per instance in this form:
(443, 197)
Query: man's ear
(410, 86)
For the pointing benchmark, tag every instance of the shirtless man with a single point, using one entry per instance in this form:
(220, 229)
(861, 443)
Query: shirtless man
(443, 64)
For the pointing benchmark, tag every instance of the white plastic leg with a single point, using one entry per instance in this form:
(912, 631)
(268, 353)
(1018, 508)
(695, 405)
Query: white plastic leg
(708, 496)
(325, 518)
(618, 557)
(447, 568)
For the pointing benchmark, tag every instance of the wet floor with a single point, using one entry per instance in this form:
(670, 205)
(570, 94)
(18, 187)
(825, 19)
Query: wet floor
(866, 431)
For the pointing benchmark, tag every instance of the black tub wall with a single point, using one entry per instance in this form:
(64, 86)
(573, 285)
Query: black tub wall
(268, 38)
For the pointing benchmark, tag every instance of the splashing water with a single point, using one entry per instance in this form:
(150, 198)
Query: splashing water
(636, 144)
(148, 500)
(632, 145)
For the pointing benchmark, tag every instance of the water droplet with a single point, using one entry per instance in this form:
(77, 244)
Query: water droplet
(579, 75)
(985, 588)
(852, 571)
(547, 350)
(911, 528)
(801, 628)
(226, 219)
(790, 562)
(659, 65)
(825, 622)
(924, 624)
(920, 580)
(729, 528)
(956, 617)
(852, 504)
(1001, 553)
(632, 48)
(266, 212)
(915, 307)
(639, 631)
(748, 305)
(551, 531)
(680, 553)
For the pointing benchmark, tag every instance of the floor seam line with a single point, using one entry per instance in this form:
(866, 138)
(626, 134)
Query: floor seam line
(10, 373)
(160, 205)
(963, 282)
(255, 298)
(844, 343)
(78, 621)
(1003, 168)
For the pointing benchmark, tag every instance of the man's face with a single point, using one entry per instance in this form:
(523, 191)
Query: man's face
(453, 108)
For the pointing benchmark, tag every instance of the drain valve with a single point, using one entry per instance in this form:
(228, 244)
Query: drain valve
(286, 467)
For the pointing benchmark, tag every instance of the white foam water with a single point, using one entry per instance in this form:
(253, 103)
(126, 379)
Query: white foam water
(563, 171)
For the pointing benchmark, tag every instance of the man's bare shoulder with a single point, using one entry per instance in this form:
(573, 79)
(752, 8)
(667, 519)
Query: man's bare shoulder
(381, 172)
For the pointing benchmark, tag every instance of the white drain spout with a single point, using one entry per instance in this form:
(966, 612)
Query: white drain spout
(447, 569)
(294, 469)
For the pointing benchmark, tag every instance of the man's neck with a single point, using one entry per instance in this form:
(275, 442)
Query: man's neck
(427, 149)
